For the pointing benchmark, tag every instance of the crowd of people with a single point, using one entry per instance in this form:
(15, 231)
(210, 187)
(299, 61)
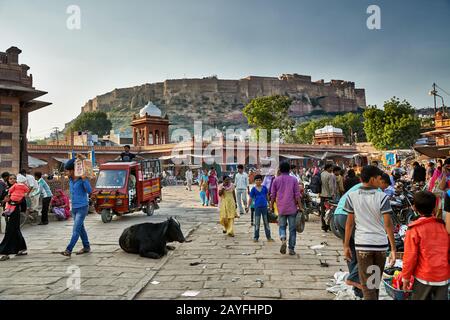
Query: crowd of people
(363, 217)
(24, 194)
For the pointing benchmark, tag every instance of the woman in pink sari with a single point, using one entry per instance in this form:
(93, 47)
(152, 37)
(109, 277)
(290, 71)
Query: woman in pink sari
(60, 204)
(213, 184)
(436, 174)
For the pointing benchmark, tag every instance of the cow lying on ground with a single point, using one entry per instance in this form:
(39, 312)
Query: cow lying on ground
(150, 239)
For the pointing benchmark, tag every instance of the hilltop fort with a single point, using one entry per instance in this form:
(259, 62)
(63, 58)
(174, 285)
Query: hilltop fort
(220, 102)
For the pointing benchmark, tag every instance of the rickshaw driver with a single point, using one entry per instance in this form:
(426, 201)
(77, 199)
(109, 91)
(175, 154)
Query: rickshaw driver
(127, 156)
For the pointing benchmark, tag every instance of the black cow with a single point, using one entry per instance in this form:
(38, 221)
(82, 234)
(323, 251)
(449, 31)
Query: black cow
(150, 239)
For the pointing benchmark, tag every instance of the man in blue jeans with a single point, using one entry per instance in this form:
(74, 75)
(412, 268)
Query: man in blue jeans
(80, 189)
(286, 193)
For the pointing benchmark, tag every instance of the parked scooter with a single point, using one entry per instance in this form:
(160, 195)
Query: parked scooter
(330, 208)
(310, 201)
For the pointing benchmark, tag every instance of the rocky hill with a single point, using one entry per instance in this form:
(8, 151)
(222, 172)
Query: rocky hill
(220, 102)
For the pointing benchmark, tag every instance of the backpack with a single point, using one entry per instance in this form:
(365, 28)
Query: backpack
(316, 183)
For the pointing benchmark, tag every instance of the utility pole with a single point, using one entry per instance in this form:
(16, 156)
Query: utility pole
(434, 96)
(57, 135)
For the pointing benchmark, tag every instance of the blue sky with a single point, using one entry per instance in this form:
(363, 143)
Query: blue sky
(128, 43)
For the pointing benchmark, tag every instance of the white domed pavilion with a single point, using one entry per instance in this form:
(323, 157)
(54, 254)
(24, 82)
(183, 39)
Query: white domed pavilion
(150, 109)
(329, 135)
(150, 127)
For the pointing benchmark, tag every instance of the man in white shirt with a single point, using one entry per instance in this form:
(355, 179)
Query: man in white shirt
(189, 177)
(293, 173)
(328, 192)
(32, 198)
(369, 216)
(242, 188)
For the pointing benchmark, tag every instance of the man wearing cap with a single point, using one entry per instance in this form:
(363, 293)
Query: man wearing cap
(80, 189)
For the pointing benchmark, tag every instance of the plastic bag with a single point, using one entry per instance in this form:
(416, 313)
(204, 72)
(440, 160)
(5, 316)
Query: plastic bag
(300, 222)
(397, 282)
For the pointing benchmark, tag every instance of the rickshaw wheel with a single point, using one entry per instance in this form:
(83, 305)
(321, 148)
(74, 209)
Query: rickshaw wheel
(150, 208)
(107, 215)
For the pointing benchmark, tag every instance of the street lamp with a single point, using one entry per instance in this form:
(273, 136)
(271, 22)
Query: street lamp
(435, 94)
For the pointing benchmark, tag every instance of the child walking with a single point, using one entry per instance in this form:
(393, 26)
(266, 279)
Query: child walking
(259, 195)
(426, 252)
(16, 193)
(203, 190)
(227, 206)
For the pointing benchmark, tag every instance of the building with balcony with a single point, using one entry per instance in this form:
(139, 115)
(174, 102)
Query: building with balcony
(438, 140)
(17, 99)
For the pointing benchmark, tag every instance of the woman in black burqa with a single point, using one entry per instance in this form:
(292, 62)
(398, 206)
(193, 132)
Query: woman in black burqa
(13, 242)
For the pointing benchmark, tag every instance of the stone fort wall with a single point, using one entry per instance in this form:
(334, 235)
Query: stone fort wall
(218, 100)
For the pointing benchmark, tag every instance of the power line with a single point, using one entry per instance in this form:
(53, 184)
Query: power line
(443, 91)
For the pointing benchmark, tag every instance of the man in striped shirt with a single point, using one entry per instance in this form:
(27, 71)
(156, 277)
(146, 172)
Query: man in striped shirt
(46, 195)
(369, 211)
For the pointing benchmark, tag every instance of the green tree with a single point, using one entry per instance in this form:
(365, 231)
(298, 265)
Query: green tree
(350, 123)
(304, 132)
(395, 127)
(270, 113)
(96, 122)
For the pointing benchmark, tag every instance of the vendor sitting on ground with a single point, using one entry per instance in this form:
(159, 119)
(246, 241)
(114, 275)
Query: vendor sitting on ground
(60, 205)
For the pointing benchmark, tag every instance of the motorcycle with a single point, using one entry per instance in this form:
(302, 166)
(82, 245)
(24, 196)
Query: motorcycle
(330, 208)
(402, 204)
(310, 201)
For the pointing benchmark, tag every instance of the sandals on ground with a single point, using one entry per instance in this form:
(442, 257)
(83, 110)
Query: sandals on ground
(21, 253)
(66, 253)
(4, 258)
(83, 251)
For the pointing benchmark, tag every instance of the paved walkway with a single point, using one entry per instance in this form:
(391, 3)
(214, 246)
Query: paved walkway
(222, 267)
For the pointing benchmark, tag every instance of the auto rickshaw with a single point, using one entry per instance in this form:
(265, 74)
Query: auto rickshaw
(127, 187)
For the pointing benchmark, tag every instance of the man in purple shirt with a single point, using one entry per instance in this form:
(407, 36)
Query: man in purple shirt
(286, 192)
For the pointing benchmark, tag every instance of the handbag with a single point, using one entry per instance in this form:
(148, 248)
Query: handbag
(272, 217)
(300, 222)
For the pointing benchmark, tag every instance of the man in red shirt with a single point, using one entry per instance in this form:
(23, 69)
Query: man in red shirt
(426, 252)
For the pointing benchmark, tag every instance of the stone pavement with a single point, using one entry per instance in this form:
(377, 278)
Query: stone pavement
(223, 267)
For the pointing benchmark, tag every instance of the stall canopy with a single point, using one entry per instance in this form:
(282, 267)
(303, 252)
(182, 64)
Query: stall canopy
(35, 163)
(351, 156)
(433, 151)
(292, 157)
(313, 156)
(62, 160)
(176, 156)
(266, 159)
(324, 156)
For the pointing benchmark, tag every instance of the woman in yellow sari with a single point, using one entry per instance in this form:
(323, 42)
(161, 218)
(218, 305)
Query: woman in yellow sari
(227, 206)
